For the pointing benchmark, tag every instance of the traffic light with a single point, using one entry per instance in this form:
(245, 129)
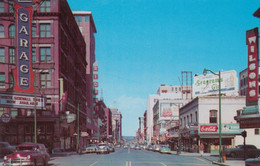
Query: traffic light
(244, 134)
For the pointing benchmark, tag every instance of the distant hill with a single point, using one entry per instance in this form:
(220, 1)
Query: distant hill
(129, 138)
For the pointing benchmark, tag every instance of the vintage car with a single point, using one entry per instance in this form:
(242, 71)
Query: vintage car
(165, 149)
(252, 162)
(28, 154)
(102, 148)
(238, 151)
(92, 148)
(6, 148)
(111, 148)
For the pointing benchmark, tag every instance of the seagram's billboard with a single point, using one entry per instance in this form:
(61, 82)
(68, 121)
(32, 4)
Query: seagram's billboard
(208, 85)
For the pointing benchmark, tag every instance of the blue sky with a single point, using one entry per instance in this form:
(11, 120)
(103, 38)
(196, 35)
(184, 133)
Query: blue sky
(141, 44)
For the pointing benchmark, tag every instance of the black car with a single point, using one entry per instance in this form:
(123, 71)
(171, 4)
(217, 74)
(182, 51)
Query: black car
(238, 151)
(6, 148)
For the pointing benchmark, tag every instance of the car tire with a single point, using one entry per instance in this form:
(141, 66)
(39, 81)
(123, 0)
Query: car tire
(45, 163)
(34, 163)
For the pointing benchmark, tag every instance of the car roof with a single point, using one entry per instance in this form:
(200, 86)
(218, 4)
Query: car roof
(30, 144)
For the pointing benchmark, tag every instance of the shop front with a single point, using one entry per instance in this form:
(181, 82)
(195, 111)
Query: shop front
(209, 136)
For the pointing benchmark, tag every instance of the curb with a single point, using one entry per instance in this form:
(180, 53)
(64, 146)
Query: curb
(217, 163)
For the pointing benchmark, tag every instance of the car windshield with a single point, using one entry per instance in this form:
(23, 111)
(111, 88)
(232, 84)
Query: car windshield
(165, 146)
(26, 148)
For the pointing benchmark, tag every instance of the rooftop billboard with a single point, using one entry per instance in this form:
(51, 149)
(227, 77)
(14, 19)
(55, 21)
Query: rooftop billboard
(208, 84)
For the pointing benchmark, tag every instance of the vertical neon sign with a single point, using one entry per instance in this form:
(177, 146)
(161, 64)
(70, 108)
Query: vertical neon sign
(23, 74)
(252, 81)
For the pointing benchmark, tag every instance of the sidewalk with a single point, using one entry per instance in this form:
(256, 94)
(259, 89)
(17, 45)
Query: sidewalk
(214, 159)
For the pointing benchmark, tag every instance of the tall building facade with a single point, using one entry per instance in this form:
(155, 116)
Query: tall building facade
(59, 63)
(116, 125)
(87, 27)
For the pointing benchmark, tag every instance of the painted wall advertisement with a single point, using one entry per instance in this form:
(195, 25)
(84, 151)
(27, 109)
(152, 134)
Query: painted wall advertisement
(168, 111)
(208, 85)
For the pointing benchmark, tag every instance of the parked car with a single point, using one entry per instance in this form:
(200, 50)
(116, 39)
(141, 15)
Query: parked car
(150, 147)
(111, 148)
(238, 151)
(125, 146)
(157, 148)
(91, 148)
(102, 148)
(6, 148)
(132, 146)
(28, 154)
(137, 147)
(165, 149)
(252, 162)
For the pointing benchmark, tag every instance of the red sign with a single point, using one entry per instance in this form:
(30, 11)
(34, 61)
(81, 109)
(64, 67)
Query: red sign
(252, 80)
(208, 128)
(95, 84)
(23, 74)
(95, 76)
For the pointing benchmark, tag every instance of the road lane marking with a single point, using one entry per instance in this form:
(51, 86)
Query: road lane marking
(163, 164)
(93, 163)
(130, 164)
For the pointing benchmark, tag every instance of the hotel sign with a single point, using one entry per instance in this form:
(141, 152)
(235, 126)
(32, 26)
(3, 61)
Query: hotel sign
(252, 80)
(23, 74)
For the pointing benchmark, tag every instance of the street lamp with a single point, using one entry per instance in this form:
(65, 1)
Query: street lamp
(220, 125)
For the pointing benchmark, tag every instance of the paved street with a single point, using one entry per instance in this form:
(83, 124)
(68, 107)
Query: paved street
(126, 157)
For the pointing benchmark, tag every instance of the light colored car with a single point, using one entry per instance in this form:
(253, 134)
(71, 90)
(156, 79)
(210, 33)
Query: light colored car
(165, 149)
(157, 148)
(92, 148)
(28, 154)
(111, 148)
(102, 148)
(252, 162)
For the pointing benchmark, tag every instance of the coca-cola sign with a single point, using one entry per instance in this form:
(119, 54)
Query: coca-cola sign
(208, 128)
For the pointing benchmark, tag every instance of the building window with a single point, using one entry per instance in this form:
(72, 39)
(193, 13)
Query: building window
(2, 80)
(78, 18)
(2, 31)
(86, 18)
(45, 30)
(11, 31)
(190, 118)
(33, 30)
(196, 116)
(48, 103)
(33, 54)
(2, 6)
(184, 121)
(257, 132)
(45, 80)
(45, 6)
(11, 55)
(2, 55)
(45, 54)
(11, 6)
(213, 116)
(11, 79)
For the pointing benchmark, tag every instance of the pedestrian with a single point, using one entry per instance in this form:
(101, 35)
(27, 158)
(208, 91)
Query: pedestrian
(201, 149)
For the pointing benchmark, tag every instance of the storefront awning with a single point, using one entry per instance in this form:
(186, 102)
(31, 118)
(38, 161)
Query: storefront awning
(216, 136)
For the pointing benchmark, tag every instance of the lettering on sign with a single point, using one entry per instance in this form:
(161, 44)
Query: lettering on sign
(252, 80)
(208, 128)
(23, 74)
